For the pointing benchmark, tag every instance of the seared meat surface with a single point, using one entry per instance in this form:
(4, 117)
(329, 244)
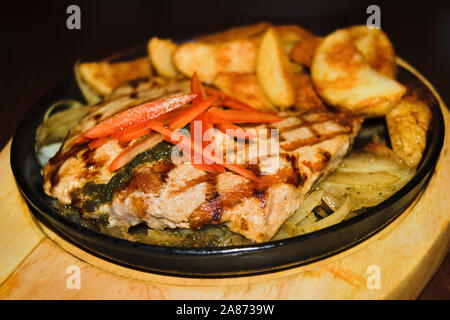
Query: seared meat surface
(163, 195)
(167, 195)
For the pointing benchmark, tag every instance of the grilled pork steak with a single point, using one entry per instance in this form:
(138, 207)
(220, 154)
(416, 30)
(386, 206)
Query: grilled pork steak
(153, 190)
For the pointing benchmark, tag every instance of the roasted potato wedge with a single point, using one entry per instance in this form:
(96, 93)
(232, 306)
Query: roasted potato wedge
(156, 87)
(376, 48)
(307, 99)
(274, 72)
(295, 67)
(245, 87)
(373, 44)
(236, 33)
(407, 125)
(291, 34)
(237, 55)
(103, 76)
(196, 57)
(345, 80)
(160, 52)
(303, 51)
(209, 59)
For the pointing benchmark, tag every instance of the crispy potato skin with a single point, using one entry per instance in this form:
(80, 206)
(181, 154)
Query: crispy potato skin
(376, 48)
(407, 125)
(274, 71)
(245, 87)
(291, 34)
(237, 55)
(209, 59)
(307, 99)
(345, 80)
(196, 57)
(303, 51)
(160, 52)
(103, 76)
(373, 44)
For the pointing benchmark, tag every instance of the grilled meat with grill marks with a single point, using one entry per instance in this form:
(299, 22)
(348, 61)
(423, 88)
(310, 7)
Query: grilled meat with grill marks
(164, 194)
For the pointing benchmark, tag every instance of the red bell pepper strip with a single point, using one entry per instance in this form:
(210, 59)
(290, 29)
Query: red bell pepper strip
(94, 144)
(128, 154)
(206, 125)
(236, 104)
(80, 140)
(137, 114)
(211, 167)
(141, 129)
(212, 92)
(135, 132)
(197, 88)
(117, 134)
(170, 116)
(229, 101)
(176, 138)
(192, 113)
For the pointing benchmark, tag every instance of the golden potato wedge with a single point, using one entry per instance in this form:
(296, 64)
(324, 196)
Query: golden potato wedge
(156, 87)
(376, 48)
(209, 59)
(407, 124)
(237, 55)
(345, 80)
(160, 52)
(103, 76)
(197, 57)
(307, 99)
(295, 67)
(245, 87)
(291, 34)
(274, 72)
(236, 33)
(303, 51)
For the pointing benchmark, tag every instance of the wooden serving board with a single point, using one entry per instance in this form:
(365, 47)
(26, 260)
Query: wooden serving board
(34, 261)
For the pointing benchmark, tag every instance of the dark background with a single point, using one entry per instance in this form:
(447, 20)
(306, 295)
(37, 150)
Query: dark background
(37, 50)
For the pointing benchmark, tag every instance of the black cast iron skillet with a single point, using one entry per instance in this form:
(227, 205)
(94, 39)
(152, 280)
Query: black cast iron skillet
(228, 261)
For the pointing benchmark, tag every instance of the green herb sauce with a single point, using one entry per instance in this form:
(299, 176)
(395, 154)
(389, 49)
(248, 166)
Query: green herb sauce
(103, 192)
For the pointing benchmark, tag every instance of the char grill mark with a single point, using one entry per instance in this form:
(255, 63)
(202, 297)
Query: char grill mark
(210, 211)
(208, 177)
(52, 172)
(148, 178)
(294, 165)
(293, 145)
(136, 82)
(343, 118)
